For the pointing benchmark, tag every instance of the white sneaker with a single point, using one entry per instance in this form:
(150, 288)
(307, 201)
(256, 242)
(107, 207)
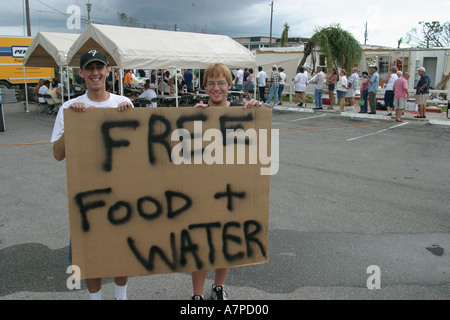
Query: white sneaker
(218, 293)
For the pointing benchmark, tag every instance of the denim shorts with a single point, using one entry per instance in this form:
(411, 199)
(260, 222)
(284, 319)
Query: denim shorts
(389, 98)
(341, 94)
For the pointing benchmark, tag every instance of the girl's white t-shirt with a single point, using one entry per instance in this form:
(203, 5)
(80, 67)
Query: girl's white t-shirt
(112, 102)
(342, 83)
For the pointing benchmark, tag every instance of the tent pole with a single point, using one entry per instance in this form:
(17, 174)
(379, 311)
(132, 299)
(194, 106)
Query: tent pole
(255, 85)
(121, 81)
(113, 70)
(67, 84)
(26, 89)
(62, 81)
(176, 88)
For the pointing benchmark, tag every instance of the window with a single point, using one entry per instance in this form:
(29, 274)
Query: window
(384, 65)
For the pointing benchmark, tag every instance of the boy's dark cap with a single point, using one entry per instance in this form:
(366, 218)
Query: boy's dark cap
(92, 55)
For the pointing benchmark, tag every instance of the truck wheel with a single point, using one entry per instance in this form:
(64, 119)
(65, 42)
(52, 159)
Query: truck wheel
(5, 84)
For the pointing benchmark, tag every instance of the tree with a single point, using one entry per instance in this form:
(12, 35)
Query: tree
(284, 35)
(339, 47)
(433, 34)
(127, 21)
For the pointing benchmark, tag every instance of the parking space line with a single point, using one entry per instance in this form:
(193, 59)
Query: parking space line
(379, 131)
(313, 129)
(300, 119)
(24, 144)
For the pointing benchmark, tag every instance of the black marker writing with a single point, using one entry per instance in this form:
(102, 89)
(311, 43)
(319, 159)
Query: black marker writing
(84, 208)
(110, 143)
(229, 196)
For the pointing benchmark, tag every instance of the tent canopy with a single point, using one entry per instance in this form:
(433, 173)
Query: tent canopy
(286, 57)
(49, 49)
(139, 48)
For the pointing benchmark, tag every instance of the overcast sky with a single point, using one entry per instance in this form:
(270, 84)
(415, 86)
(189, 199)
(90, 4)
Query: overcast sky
(387, 20)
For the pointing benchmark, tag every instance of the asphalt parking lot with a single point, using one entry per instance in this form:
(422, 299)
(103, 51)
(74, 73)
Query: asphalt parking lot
(351, 195)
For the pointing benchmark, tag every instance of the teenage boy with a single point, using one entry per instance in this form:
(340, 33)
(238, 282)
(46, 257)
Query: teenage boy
(94, 69)
(217, 81)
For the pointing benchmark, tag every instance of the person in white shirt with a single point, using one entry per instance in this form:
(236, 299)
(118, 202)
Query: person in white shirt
(94, 69)
(318, 80)
(341, 89)
(300, 83)
(44, 90)
(282, 83)
(352, 86)
(389, 94)
(239, 81)
(261, 78)
(148, 94)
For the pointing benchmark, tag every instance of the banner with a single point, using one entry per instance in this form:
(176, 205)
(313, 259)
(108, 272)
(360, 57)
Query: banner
(159, 190)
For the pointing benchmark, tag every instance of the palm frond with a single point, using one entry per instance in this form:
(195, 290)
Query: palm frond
(339, 46)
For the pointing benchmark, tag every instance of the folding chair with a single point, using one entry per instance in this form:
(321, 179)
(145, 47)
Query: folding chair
(149, 103)
(136, 103)
(41, 107)
(52, 106)
(185, 100)
(155, 100)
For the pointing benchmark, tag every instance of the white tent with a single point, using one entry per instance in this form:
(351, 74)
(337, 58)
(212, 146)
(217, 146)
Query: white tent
(286, 57)
(139, 48)
(48, 49)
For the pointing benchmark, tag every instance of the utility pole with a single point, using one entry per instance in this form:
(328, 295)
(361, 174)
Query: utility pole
(365, 35)
(192, 20)
(27, 9)
(89, 7)
(271, 18)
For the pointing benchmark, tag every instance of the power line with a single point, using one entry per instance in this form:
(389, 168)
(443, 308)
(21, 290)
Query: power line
(65, 14)
(157, 26)
(51, 7)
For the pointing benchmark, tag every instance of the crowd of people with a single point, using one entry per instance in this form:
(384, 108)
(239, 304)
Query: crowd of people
(189, 80)
(342, 86)
(345, 86)
(163, 80)
(52, 88)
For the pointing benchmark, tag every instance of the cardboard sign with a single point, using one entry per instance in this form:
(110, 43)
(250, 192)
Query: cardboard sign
(159, 190)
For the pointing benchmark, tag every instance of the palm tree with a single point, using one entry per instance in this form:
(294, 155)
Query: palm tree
(284, 35)
(339, 47)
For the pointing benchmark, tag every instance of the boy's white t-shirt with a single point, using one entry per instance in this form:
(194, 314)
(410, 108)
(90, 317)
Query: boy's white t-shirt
(300, 82)
(112, 102)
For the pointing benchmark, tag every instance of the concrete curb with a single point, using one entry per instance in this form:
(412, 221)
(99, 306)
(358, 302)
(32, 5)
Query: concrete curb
(365, 116)
(361, 115)
(440, 122)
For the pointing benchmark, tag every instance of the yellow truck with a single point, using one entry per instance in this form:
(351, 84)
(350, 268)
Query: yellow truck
(12, 52)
